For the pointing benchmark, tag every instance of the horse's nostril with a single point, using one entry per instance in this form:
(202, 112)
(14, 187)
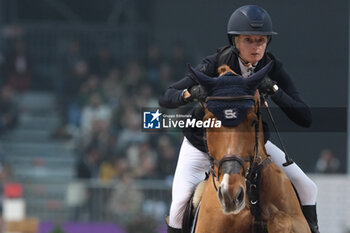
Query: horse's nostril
(240, 195)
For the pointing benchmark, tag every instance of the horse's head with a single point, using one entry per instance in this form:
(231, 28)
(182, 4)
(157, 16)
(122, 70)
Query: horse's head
(235, 101)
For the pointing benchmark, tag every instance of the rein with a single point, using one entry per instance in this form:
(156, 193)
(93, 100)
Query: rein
(289, 160)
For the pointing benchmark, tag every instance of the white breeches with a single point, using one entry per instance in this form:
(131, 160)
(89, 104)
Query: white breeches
(190, 171)
(306, 188)
(193, 163)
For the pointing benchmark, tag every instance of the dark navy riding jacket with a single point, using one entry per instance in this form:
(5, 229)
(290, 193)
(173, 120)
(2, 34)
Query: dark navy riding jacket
(286, 97)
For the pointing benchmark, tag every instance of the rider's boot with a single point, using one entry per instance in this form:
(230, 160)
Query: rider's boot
(310, 214)
(171, 229)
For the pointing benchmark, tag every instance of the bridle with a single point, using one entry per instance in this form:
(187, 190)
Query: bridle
(255, 165)
(232, 164)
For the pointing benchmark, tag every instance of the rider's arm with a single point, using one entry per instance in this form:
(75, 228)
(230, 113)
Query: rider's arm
(173, 96)
(288, 99)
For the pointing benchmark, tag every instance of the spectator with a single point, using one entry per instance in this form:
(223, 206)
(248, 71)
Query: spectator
(179, 60)
(73, 83)
(19, 68)
(133, 76)
(5, 176)
(67, 64)
(89, 87)
(130, 134)
(88, 165)
(166, 77)
(88, 168)
(103, 62)
(146, 98)
(142, 160)
(112, 88)
(143, 224)
(3, 68)
(153, 62)
(125, 202)
(113, 168)
(102, 137)
(75, 73)
(95, 116)
(167, 158)
(327, 162)
(8, 109)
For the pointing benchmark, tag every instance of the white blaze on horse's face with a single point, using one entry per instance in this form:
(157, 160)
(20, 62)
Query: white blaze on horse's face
(231, 203)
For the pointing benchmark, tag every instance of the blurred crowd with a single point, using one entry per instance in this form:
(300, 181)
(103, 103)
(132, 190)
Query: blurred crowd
(101, 98)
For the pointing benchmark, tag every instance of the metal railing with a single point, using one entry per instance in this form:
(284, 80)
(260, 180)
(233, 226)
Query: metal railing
(120, 201)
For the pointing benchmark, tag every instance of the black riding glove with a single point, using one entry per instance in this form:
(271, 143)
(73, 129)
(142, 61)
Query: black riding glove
(197, 94)
(267, 86)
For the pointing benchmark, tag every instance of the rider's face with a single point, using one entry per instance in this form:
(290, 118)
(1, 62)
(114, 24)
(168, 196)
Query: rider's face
(251, 47)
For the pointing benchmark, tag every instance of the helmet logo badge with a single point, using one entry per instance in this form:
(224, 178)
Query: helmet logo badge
(256, 25)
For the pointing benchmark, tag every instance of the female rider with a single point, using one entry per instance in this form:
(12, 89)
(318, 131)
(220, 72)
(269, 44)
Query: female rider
(249, 31)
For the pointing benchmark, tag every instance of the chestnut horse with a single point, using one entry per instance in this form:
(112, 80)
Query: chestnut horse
(245, 192)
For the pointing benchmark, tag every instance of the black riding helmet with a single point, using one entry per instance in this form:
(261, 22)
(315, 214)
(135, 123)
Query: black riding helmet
(249, 20)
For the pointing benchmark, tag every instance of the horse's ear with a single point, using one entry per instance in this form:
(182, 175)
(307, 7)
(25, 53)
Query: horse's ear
(201, 78)
(254, 80)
